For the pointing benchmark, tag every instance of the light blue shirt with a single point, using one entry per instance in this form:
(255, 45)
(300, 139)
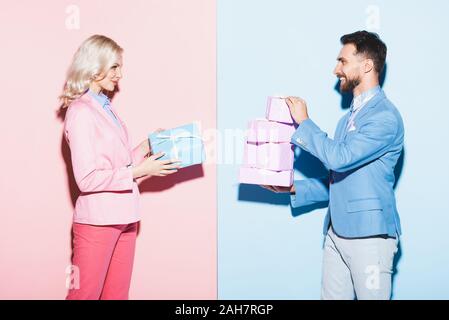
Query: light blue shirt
(105, 103)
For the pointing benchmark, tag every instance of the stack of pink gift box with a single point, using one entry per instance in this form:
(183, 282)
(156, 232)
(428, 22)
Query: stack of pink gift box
(268, 156)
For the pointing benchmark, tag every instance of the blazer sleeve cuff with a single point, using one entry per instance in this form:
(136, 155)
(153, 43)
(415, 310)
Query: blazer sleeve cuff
(300, 197)
(137, 155)
(304, 132)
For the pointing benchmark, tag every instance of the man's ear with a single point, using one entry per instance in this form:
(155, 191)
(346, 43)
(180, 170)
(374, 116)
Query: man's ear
(369, 65)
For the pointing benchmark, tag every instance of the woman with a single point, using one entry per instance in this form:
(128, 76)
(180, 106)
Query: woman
(105, 169)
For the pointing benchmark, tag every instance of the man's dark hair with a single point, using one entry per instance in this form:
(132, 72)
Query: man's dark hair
(368, 44)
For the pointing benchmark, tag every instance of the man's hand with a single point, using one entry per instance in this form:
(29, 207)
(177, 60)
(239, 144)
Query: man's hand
(298, 109)
(278, 189)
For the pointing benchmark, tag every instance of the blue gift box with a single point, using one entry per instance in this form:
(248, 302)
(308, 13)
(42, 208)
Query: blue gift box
(183, 143)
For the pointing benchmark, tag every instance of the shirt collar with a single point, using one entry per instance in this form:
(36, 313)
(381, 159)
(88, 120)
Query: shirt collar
(100, 97)
(364, 97)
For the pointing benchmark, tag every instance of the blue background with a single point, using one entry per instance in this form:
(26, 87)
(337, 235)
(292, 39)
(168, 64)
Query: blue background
(266, 249)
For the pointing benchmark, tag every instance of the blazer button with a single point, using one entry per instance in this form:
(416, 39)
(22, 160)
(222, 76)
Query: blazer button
(299, 140)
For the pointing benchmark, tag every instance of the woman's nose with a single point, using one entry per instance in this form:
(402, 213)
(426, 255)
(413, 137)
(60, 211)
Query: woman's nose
(118, 74)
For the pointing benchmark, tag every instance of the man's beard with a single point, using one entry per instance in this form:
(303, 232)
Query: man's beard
(349, 84)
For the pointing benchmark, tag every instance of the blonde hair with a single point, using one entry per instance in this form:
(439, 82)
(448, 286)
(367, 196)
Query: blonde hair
(94, 57)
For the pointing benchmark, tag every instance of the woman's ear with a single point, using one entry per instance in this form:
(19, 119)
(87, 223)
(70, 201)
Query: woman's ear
(98, 76)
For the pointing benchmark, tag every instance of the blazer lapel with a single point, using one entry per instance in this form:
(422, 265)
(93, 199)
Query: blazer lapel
(121, 132)
(366, 109)
(371, 104)
(122, 129)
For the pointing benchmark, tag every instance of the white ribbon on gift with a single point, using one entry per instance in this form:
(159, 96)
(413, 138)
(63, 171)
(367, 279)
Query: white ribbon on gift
(173, 137)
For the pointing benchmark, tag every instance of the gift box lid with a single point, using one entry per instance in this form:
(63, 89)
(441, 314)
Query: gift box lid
(183, 142)
(278, 110)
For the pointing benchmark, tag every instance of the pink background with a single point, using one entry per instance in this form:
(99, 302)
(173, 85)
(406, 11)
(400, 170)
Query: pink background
(169, 80)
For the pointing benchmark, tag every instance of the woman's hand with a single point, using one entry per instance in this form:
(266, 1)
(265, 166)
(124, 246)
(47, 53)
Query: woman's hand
(153, 167)
(278, 189)
(145, 145)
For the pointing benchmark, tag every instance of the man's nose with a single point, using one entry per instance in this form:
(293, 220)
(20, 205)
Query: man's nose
(336, 70)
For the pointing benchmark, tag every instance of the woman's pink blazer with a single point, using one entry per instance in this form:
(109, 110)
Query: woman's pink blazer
(101, 159)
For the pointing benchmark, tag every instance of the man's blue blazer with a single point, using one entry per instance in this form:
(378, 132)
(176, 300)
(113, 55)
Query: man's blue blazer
(361, 163)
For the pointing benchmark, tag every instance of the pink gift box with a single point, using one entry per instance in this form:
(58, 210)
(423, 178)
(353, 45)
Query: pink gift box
(266, 177)
(271, 156)
(278, 110)
(262, 130)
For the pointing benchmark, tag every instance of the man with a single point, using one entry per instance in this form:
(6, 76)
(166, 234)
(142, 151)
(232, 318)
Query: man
(362, 225)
